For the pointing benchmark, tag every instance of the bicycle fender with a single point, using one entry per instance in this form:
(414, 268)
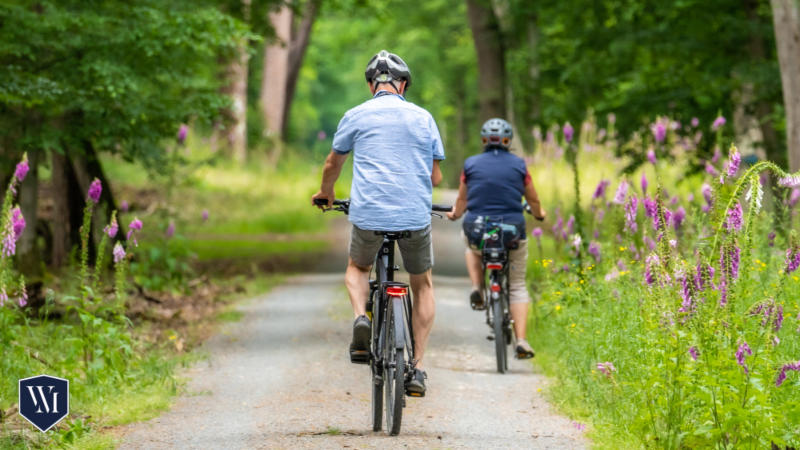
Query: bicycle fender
(399, 324)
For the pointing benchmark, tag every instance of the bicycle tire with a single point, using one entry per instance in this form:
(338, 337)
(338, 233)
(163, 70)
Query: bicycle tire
(394, 377)
(377, 381)
(499, 335)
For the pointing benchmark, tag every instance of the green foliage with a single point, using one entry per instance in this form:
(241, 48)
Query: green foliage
(118, 76)
(650, 310)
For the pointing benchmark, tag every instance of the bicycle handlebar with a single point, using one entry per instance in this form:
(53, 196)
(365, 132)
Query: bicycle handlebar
(441, 208)
(345, 205)
(337, 202)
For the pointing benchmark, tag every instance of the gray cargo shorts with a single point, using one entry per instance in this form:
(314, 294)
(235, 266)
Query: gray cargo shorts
(416, 250)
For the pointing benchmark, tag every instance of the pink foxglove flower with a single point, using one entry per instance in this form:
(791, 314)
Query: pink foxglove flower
(22, 169)
(136, 225)
(644, 184)
(790, 181)
(124, 206)
(695, 122)
(600, 190)
(171, 229)
(112, 228)
(711, 170)
(183, 131)
(594, 250)
(17, 223)
(651, 156)
(718, 122)
(537, 233)
(660, 132)
(735, 219)
(606, 368)
(733, 164)
(119, 253)
(205, 215)
(708, 194)
(791, 367)
(693, 352)
(678, 217)
(740, 355)
(622, 192)
(569, 132)
(23, 298)
(631, 209)
(95, 189)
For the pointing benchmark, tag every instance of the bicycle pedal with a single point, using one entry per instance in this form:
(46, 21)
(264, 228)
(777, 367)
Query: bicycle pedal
(359, 357)
(490, 337)
(415, 394)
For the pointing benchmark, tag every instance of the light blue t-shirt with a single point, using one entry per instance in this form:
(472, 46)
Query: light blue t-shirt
(394, 144)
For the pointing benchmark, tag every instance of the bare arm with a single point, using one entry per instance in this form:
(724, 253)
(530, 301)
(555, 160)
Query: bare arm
(436, 173)
(331, 172)
(461, 203)
(533, 199)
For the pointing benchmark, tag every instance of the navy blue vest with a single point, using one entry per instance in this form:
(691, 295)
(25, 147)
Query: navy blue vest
(496, 182)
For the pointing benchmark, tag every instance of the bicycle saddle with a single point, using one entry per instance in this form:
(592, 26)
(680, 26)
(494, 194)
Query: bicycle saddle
(394, 235)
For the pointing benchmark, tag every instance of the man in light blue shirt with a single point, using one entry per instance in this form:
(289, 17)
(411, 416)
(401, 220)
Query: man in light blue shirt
(396, 149)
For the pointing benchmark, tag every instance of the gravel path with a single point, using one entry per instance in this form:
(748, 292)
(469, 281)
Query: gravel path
(281, 379)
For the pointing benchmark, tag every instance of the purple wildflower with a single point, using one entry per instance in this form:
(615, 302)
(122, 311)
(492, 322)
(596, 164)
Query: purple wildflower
(565, 268)
(112, 228)
(606, 368)
(651, 156)
(718, 122)
(707, 192)
(95, 189)
(778, 323)
(678, 217)
(771, 238)
(789, 181)
(17, 223)
(119, 253)
(660, 133)
(690, 197)
(735, 219)
(171, 229)
(695, 122)
(578, 426)
(740, 355)
(651, 244)
(687, 305)
(136, 225)
(601, 134)
(205, 215)
(558, 226)
(794, 197)
(537, 233)
(693, 352)
(22, 168)
(650, 207)
(791, 367)
(792, 259)
(594, 250)
(621, 265)
(576, 242)
(622, 192)
(703, 273)
(631, 208)
(600, 191)
(600, 214)
(182, 132)
(717, 155)
(644, 184)
(733, 164)
(569, 132)
(570, 226)
(9, 240)
(124, 206)
(23, 298)
(649, 275)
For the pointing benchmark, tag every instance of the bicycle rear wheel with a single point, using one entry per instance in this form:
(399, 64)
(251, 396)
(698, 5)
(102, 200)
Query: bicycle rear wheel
(377, 372)
(394, 376)
(499, 335)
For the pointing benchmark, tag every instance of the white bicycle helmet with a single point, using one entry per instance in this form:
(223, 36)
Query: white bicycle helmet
(387, 67)
(496, 132)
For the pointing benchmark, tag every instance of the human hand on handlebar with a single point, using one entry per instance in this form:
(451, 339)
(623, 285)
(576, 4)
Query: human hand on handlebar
(542, 215)
(329, 196)
(452, 215)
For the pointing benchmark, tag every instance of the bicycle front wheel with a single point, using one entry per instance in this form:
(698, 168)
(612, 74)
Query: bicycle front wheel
(394, 376)
(499, 335)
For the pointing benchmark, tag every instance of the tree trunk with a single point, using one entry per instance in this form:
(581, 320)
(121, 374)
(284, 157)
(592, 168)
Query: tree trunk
(27, 248)
(761, 109)
(297, 50)
(236, 74)
(61, 220)
(274, 79)
(491, 59)
(786, 18)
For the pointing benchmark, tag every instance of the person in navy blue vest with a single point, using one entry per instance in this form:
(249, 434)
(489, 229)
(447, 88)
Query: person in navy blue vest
(492, 186)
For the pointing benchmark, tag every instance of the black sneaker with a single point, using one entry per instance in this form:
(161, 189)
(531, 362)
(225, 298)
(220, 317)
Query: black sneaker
(476, 300)
(416, 387)
(359, 348)
(524, 349)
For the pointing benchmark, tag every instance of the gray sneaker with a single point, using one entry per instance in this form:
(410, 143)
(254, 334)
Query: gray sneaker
(524, 349)
(476, 301)
(416, 387)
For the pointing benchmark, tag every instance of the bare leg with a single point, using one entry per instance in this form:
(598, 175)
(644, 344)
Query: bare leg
(424, 312)
(475, 269)
(519, 313)
(357, 280)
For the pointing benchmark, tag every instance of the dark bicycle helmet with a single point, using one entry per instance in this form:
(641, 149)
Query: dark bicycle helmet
(496, 132)
(386, 67)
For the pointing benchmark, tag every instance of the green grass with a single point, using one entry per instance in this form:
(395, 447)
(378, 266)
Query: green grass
(225, 249)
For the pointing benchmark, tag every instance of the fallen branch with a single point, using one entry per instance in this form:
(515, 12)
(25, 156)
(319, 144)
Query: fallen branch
(145, 296)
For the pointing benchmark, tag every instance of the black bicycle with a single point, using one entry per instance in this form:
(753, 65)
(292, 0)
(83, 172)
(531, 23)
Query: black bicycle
(494, 257)
(391, 356)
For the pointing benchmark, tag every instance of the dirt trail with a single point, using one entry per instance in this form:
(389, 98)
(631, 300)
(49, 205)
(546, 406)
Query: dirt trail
(281, 379)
